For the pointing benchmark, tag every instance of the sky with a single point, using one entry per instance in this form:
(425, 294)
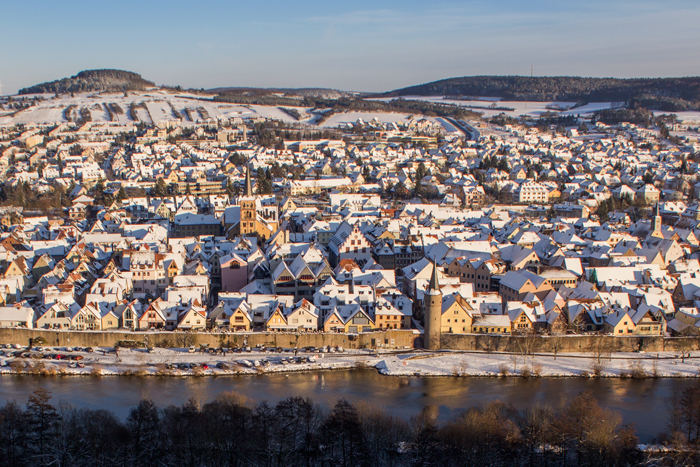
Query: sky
(355, 46)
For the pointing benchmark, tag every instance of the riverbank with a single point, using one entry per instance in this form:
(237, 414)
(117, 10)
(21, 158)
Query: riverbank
(180, 362)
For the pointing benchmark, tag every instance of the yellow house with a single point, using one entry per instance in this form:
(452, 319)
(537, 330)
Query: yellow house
(491, 324)
(88, 318)
(277, 321)
(619, 323)
(194, 318)
(359, 321)
(109, 320)
(333, 323)
(456, 315)
(386, 316)
(173, 271)
(240, 320)
(18, 267)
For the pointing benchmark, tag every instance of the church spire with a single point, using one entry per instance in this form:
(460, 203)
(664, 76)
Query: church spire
(248, 187)
(434, 286)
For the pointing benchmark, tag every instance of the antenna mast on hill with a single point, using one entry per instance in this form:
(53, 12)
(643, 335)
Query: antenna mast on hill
(0, 88)
(530, 71)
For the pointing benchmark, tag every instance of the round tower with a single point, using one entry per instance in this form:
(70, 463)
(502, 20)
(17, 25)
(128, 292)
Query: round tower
(432, 315)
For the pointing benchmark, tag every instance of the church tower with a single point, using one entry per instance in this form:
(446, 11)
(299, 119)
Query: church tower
(657, 220)
(248, 211)
(432, 315)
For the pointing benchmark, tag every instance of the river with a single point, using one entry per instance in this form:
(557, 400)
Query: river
(642, 402)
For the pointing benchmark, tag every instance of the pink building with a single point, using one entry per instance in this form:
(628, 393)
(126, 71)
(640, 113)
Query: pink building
(234, 273)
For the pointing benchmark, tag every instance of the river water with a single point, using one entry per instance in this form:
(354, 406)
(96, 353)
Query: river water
(642, 402)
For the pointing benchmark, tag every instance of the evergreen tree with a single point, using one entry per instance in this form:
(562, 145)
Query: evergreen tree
(100, 192)
(159, 189)
(593, 277)
(121, 195)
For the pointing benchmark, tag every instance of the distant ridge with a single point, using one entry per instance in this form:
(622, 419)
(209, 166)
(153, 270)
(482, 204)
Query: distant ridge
(93, 81)
(668, 94)
(322, 93)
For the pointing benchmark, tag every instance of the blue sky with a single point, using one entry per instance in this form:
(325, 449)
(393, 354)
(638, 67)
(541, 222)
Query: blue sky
(359, 45)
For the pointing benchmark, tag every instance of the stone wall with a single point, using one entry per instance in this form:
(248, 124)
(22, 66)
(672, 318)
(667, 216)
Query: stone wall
(388, 339)
(591, 343)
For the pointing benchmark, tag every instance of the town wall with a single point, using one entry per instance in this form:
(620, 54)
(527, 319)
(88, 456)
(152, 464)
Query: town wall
(390, 339)
(559, 344)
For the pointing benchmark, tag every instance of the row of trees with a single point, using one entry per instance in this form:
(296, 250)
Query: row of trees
(22, 195)
(295, 432)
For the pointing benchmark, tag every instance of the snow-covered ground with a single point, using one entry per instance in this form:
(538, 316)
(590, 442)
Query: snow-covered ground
(519, 108)
(413, 363)
(159, 107)
(490, 364)
(345, 118)
(689, 116)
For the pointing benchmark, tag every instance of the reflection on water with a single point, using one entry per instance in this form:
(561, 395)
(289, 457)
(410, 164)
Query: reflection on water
(641, 402)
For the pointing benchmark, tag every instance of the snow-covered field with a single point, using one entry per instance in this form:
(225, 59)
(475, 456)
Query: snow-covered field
(689, 116)
(159, 107)
(413, 363)
(520, 108)
(345, 118)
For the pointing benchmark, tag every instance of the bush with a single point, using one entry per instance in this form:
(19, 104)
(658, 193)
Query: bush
(637, 371)
(597, 368)
(525, 372)
(585, 374)
(503, 369)
(165, 343)
(537, 370)
(129, 344)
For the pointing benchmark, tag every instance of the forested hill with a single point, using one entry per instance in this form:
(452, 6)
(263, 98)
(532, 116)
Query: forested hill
(92, 81)
(671, 94)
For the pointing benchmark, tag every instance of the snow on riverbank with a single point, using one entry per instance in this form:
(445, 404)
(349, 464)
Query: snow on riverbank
(490, 364)
(179, 362)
